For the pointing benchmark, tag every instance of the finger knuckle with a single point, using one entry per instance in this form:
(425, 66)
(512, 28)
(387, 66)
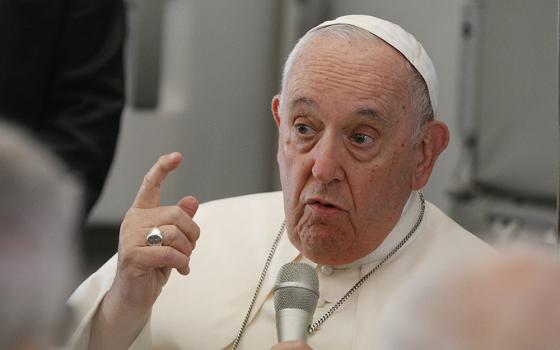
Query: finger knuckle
(125, 225)
(166, 255)
(126, 256)
(177, 213)
(187, 249)
(170, 238)
(147, 181)
(186, 267)
(196, 232)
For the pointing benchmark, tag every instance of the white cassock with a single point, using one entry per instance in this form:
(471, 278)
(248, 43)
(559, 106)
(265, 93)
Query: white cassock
(205, 309)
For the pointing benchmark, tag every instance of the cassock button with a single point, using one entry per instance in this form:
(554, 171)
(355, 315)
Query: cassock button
(326, 270)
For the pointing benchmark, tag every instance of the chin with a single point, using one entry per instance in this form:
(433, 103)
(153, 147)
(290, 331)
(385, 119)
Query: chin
(327, 258)
(324, 245)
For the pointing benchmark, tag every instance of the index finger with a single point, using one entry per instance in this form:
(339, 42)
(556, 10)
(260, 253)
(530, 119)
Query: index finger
(148, 195)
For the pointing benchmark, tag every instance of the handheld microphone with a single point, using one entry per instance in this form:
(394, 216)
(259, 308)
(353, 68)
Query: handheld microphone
(295, 298)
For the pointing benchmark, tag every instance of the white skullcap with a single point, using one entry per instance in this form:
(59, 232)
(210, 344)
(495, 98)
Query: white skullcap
(401, 40)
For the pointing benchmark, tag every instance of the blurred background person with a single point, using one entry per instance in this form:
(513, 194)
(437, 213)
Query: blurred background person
(62, 78)
(39, 207)
(509, 301)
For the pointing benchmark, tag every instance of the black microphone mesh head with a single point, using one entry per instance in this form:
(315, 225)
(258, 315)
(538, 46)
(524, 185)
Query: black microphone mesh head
(297, 287)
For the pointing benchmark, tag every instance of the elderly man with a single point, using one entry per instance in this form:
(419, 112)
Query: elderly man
(357, 140)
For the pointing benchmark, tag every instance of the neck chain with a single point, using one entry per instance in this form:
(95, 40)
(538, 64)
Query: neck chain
(313, 327)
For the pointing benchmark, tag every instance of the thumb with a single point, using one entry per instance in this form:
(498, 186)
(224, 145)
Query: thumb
(189, 204)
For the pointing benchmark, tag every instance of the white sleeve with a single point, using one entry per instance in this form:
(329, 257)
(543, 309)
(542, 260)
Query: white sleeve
(84, 302)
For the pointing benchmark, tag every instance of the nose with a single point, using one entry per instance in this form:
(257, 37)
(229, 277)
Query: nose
(327, 157)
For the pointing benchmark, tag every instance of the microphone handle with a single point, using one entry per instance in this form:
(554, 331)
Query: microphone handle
(292, 324)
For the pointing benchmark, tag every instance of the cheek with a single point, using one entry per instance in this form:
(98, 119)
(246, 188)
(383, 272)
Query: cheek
(405, 165)
(282, 156)
(294, 174)
(387, 181)
(290, 173)
(294, 165)
(285, 153)
(399, 178)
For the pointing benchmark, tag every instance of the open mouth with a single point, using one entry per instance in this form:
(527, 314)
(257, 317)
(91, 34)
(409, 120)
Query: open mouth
(321, 203)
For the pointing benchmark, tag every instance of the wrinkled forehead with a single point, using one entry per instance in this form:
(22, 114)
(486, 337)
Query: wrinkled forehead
(400, 39)
(347, 70)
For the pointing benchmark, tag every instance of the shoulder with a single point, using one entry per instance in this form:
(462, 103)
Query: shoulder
(440, 223)
(444, 236)
(439, 245)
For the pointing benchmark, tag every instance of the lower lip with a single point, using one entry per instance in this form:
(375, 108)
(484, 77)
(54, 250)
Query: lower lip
(322, 209)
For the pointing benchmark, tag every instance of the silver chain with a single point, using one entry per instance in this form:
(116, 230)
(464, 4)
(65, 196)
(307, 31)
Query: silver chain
(312, 328)
(259, 285)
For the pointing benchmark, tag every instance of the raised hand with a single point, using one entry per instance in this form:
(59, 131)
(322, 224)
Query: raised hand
(143, 270)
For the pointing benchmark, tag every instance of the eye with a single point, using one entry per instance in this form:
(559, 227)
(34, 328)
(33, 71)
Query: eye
(361, 139)
(303, 129)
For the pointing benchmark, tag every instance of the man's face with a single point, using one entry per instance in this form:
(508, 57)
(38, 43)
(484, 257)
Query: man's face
(345, 151)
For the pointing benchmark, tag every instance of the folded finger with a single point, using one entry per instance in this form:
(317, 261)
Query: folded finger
(173, 237)
(164, 256)
(174, 215)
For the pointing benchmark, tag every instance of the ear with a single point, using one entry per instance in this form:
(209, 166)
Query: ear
(434, 141)
(276, 109)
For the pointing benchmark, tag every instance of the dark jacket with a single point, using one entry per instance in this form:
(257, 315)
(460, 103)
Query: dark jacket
(61, 76)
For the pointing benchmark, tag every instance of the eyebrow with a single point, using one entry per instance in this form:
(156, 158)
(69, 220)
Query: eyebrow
(372, 113)
(363, 111)
(302, 100)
